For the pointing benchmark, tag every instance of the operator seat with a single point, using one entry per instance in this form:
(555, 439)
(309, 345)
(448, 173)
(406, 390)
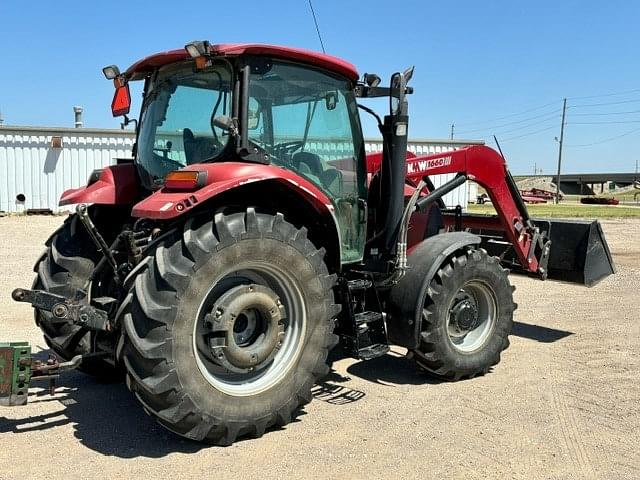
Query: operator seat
(310, 163)
(196, 149)
(190, 145)
(311, 160)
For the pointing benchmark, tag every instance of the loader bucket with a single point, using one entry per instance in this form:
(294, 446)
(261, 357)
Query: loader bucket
(579, 252)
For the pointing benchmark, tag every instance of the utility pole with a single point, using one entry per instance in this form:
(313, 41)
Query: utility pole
(535, 169)
(452, 126)
(564, 112)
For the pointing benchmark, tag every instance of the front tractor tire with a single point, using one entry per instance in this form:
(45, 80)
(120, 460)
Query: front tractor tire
(228, 326)
(467, 317)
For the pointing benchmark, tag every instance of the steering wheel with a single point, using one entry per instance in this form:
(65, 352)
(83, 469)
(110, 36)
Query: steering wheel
(283, 151)
(171, 164)
(288, 147)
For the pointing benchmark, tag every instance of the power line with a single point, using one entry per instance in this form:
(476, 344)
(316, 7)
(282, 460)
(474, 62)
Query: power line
(507, 116)
(604, 113)
(553, 113)
(584, 97)
(613, 94)
(530, 133)
(604, 123)
(554, 117)
(636, 100)
(315, 20)
(606, 139)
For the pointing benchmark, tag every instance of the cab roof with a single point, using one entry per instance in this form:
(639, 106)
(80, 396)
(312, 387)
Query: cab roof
(321, 60)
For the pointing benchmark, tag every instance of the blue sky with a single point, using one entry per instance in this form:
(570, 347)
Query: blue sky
(490, 67)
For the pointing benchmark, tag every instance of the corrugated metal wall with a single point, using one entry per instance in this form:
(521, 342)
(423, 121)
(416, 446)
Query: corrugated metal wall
(30, 165)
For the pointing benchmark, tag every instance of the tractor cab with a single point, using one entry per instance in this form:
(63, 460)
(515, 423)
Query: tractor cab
(293, 113)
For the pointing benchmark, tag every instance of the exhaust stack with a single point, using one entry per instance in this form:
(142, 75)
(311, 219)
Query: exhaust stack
(78, 114)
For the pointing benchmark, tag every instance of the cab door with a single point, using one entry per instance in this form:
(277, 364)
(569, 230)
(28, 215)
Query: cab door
(308, 122)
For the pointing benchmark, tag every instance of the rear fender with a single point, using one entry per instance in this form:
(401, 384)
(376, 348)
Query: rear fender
(221, 178)
(254, 185)
(115, 185)
(406, 299)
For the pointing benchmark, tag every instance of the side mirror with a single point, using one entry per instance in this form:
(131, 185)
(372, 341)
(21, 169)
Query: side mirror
(372, 80)
(223, 123)
(121, 103)
(331, 100)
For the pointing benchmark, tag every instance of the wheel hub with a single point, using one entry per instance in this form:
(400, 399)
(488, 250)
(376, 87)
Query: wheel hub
(472, 316)
(465, 316)
(246, 328)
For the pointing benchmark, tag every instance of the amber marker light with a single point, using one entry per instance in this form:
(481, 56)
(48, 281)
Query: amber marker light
(185, 180)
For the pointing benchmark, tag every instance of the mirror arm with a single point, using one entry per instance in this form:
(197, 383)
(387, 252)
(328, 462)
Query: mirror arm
(127, 121)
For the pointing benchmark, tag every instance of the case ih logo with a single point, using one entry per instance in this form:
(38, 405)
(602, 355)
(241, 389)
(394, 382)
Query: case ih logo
(423, 165)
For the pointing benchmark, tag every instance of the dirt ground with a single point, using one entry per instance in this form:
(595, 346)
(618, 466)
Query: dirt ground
(563, 403)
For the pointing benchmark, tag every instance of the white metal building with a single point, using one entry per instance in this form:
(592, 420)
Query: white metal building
(38, 163)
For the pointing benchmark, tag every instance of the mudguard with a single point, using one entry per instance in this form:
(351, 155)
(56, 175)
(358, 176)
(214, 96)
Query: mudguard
(222, 177)
(406, 299)
(115, 185)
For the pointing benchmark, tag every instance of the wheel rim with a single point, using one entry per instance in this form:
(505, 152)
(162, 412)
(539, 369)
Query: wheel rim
(249, 329)
(472, 316)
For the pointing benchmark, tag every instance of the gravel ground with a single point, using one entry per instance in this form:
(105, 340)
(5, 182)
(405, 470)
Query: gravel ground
(562, 404)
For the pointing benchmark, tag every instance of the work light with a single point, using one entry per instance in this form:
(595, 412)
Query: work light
(197, 48)
(111, 72)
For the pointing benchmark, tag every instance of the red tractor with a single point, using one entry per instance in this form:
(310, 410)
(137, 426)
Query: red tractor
(251, 234)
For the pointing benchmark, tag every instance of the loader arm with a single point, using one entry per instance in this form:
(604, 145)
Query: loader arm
(566, 250)
(488, 169)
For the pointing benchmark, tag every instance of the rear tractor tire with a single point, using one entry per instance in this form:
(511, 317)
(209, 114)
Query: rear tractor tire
(467, 317)
(228, 326)
(65, 269)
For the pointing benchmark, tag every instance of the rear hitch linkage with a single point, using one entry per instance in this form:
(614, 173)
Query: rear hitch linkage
(18, 369)
(64, 310)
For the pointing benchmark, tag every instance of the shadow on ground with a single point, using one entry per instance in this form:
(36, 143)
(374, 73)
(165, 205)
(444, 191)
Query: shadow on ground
(538, 333)
(391, 369)
(105, 417)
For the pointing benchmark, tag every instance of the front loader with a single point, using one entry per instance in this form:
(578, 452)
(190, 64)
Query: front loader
(251, 234)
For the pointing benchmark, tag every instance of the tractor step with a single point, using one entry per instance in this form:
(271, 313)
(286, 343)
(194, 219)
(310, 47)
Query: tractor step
(367, 317)
(373, 351)
(359, 284)
(363, 331)
(370, 340)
